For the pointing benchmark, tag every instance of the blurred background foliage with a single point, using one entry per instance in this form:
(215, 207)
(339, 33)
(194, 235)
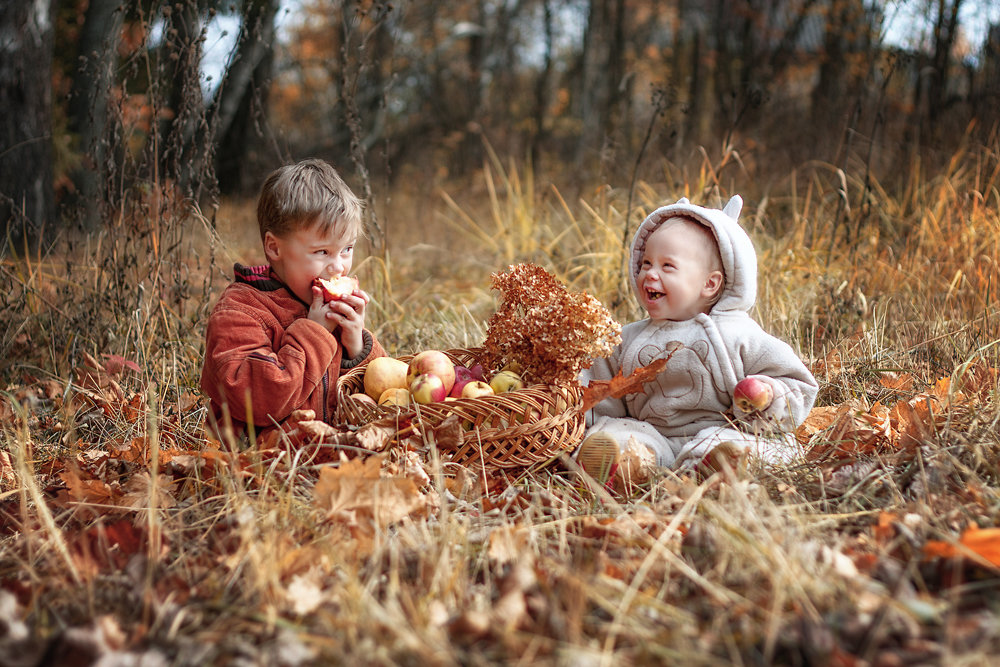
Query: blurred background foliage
(201, 98)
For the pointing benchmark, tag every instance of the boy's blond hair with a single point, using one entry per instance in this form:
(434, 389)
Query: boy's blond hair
(307, 193)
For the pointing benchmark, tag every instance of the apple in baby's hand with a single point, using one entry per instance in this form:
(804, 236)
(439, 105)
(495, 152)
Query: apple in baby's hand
(433, 362)
(752, 394)
(427, 388)
(477, 389)
(336, 288)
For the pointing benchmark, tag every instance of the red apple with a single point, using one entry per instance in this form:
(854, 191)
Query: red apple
(477, 389)
(463, 376)
(433, 362)
(336, 288)
(752, 394)
(427, 388)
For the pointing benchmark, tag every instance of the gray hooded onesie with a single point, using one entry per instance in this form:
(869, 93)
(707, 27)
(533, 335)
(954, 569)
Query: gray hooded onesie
(688, 409)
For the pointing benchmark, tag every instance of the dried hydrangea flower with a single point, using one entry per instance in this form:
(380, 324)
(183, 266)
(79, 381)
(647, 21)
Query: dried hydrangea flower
(551, 333)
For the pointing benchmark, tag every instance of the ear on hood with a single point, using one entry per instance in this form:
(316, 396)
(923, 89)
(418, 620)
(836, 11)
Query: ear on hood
(739, 259)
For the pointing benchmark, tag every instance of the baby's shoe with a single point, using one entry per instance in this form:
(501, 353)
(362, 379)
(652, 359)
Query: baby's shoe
(598, 456)
(636, 466)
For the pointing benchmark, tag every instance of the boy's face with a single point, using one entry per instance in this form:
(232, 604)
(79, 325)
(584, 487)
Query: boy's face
(307, 253)
(675, 279)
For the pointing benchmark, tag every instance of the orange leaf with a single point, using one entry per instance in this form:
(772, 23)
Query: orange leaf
(619, 386)
(985, 544)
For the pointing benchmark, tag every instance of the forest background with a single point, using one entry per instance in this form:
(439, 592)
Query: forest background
(863, 139)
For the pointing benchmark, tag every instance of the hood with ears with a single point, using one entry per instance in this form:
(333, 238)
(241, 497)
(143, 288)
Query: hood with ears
(739, 259)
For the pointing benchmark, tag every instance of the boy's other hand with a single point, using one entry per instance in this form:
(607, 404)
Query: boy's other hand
(348, 314)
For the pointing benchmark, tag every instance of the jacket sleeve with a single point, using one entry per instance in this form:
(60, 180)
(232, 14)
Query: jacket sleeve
(603, 369)
(263, 381)
(774, 362)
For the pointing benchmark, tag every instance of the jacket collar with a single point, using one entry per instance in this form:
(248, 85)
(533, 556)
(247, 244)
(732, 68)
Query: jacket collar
(259, 277)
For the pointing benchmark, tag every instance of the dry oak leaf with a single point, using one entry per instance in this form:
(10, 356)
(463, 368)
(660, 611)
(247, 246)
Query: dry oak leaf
(619, 386)
(356, 491)
(979, 544)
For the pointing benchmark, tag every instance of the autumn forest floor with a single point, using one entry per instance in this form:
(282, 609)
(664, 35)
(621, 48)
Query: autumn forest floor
(126, 534)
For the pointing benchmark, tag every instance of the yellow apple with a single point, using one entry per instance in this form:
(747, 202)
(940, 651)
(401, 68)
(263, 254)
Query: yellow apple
(384, 373)
(506, 381)
(395, 396)
(476, 389)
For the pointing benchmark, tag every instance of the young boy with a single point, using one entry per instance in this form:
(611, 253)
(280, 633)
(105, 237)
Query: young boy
(694, 270)
(272, 344)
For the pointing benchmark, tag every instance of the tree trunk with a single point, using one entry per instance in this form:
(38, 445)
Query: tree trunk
(26, 195)
(242, 96)
(541, 101)
(88, 105)
(182, 161)
(945, 32)
(601, 71)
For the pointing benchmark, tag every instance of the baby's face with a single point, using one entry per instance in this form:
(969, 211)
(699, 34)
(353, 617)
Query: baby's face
(675, 280)
(307, 253)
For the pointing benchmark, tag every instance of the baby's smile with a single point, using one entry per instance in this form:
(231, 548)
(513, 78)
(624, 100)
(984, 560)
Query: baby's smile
(653, 295)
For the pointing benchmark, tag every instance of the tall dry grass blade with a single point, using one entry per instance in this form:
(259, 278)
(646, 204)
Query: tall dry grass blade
(31, 495)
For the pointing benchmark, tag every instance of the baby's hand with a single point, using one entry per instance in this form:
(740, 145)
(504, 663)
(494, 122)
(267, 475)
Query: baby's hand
(752, 395)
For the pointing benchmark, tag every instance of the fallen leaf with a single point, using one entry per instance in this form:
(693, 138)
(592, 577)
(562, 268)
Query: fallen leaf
(619, 386)
(90, 491)
(357, 491)
(983, 544)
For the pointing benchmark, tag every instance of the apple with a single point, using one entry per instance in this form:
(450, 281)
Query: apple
(433, 362)
(384, 373)
(428, 388)
(395, 396)
(752, 394)
(477, 389)
(336, 288)
(364, 398)
(506, 381)
(464, 375)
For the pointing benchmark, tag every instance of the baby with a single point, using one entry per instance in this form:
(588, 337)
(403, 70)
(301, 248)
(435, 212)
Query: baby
(694, 270)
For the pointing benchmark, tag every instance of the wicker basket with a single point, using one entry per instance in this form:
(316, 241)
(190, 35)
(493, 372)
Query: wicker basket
(510, 430)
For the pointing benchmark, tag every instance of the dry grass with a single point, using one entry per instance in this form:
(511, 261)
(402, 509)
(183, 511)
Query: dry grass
(118, 539)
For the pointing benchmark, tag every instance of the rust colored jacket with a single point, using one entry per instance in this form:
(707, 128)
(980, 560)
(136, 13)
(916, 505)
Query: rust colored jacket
(264, 358)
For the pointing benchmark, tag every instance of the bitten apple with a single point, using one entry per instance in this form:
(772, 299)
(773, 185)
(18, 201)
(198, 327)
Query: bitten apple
(477, 389)
(433, 362)
(384, 373)
(506, 381)
(427, 388)
(752, 394)
(336, 288)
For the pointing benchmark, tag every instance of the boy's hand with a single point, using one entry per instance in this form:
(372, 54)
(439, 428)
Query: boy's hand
(348, 314)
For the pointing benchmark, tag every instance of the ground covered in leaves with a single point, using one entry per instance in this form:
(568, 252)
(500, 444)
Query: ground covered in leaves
(131, 539)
